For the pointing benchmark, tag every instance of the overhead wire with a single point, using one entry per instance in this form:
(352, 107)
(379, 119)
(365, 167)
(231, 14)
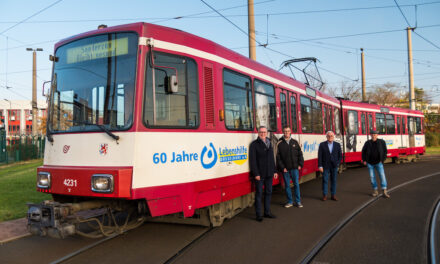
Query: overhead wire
(413, 28)
(29, 17)
(199, 15)
(14, 92)
(354, 52)
(140, 18)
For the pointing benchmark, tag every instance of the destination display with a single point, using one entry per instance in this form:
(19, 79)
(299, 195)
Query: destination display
(99, 50)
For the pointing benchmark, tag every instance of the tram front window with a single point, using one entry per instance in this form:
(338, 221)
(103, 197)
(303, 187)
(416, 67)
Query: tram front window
(93, 84)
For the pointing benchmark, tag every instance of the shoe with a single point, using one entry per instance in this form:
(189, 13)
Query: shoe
(334, 198)
(375, 193)
(299, 205)
(269, 216)
(288, 205)
(324, 198)
(259, 219)
(385, 193)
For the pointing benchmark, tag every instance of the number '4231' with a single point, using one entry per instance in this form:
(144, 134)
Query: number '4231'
(70, 182)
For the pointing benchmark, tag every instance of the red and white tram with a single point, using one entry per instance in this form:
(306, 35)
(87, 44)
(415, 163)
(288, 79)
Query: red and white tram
(154, 120)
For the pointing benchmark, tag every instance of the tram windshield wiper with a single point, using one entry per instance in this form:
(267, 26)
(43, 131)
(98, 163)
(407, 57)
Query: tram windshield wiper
(102, 127)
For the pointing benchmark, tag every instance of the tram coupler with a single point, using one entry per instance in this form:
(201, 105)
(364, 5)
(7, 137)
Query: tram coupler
(56, 219)
(49, 218)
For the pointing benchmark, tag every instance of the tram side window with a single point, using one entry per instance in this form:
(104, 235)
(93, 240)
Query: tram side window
(306, 114)
(326, 119)
(293, 113)
(166, 108)
(337, 121)
(330, 118)
(398, 124)
(391, 126)
(317, 117)
(411, 125)
(283, 103)
(380, 123)
(418, 125)
(238, 101)
(403, 125)
(363, 124)
(370, 122)
(353, 122)
(265, 105)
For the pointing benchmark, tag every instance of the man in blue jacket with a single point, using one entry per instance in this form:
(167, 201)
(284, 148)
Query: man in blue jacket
(374, 154)
(290, 160)
(329, 158)
(262, 165)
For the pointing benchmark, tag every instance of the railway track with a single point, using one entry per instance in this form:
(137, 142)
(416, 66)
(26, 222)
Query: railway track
(434, 238)
(335, 230)
(83, 249)
(188, 236)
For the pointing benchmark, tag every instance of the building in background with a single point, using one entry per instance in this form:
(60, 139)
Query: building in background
(431, 109)
(16, 118)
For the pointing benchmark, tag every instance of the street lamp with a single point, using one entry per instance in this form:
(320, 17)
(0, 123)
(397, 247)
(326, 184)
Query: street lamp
(10, 107)
(4, 120)
(34, 89)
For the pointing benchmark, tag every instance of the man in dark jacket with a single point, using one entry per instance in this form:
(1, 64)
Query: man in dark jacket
(329, 158)
(374, 154)
(290, 160)
(262, 165)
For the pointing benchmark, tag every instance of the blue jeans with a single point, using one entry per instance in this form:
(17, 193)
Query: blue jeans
(294, 175)
(380, 171)
(333, 173)
(267, 182)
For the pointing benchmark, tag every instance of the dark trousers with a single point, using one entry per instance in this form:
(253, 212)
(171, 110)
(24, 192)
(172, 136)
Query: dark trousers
(267, 182)
(333, 173)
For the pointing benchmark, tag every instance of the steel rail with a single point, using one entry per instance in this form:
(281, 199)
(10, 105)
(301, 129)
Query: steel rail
(433, 248)
(83, 249)
(185, 248)
(315, 250)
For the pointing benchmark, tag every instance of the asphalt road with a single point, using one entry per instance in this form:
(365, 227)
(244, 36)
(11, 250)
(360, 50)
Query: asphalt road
(389, 231)
(293, 234)
(379, 233)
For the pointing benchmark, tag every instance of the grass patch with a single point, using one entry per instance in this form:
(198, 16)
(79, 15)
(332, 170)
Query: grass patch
(17, 187)
(432, 150)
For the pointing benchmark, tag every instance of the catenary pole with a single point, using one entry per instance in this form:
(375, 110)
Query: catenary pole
(251, 24)
(412, 99)
(34, 89)
(364, 88)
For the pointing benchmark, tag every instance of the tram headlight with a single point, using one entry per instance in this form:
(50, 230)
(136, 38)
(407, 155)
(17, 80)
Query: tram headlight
(43, 180)
(102, 183)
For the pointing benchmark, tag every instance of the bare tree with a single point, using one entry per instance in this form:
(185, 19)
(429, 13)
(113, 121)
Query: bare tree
(386, 94)
(347, 90)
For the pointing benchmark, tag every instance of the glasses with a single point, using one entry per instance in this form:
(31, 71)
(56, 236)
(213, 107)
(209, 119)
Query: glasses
(262, 132)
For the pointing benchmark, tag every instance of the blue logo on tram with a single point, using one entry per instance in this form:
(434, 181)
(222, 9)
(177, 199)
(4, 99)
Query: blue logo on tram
(212, 155)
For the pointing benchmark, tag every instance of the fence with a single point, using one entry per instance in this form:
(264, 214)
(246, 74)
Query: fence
(20, 147)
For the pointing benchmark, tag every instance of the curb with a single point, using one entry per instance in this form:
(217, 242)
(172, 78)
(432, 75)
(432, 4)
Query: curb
(10, 239)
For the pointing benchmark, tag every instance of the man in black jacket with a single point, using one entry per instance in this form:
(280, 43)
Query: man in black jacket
(290, 160)
(329, 158)
(374, 154)
(262, 165)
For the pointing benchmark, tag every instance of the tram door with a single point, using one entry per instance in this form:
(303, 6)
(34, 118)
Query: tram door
(293, 116)
(289, 113)
(364, 128)
(370, 125)
(411, 131)
(403, 133)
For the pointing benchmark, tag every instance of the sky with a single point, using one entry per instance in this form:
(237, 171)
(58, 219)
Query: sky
(331, 31)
